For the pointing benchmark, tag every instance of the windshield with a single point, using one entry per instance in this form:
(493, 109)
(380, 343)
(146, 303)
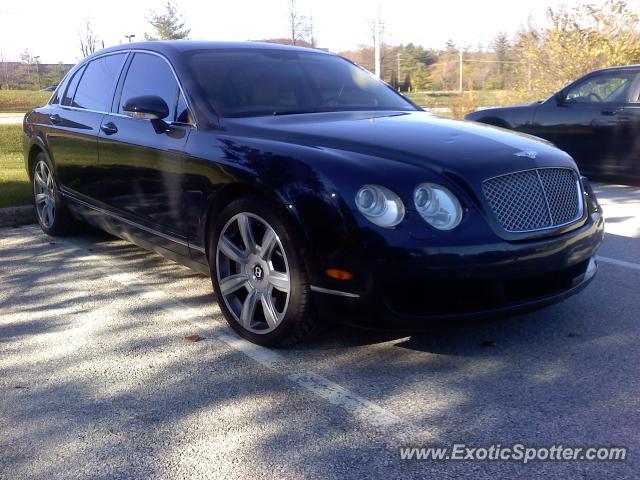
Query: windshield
(271, 82)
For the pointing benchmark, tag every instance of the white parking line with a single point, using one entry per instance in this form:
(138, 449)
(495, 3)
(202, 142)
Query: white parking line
(357, 406)
(620, 263)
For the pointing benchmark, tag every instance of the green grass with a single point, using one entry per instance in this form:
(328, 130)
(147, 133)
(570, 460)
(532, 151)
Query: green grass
(14, 182)
(12, 101)
(461, 104)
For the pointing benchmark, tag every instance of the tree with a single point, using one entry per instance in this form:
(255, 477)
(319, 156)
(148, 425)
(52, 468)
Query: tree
(88, 39)
(4, 73)
(577, 41)
(168, 25)
(300, 26)
(502, 49)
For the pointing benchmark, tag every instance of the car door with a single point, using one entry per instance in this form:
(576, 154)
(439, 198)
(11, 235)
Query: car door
(142, 161)
(627, 164)
(584, 118)
(75, 123)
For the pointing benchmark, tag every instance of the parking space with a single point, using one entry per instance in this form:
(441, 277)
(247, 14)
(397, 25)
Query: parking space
(97, 379)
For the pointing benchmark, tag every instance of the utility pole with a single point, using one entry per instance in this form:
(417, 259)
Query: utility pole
(377, 45)
(460, 84)
(36, 58)
(399, 66)
(130, 37)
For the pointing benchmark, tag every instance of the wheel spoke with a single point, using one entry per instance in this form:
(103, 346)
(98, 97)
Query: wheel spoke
(232, 283)
(268, 243)
(39, 179)
(41, 197)
(279, 281)
(269, 310)
(244, 225)
(231, 251)
(49, 214)
(249, 308)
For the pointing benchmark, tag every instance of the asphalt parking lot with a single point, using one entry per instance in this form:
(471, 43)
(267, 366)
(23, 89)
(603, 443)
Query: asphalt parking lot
(97, 379)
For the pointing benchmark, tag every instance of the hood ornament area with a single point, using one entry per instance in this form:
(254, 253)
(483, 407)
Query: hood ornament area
(527, 153)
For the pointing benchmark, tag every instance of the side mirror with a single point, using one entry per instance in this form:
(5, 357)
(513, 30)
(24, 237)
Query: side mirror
(559, 97)
(150, 107)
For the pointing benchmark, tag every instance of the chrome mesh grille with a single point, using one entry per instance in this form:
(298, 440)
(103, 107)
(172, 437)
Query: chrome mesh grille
(534, 199)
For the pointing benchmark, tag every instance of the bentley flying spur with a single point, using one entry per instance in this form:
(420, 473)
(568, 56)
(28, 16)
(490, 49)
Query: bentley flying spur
(308, 189)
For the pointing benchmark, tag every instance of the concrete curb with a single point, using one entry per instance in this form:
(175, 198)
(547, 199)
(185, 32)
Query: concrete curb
(16, 216)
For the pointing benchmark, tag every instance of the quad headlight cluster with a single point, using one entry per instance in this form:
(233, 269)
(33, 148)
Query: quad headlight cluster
(436, 205)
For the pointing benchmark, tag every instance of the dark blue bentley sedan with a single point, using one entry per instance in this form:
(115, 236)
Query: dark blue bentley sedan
(308, 189)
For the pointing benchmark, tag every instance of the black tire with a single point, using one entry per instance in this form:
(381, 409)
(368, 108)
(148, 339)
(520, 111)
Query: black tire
(62, 222)
(299, 320)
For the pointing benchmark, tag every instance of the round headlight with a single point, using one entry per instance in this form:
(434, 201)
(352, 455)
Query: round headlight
(438, 206)
(380, 205)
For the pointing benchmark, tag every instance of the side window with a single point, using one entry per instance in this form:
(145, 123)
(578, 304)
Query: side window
(152, 75)
(95, 89)
(55, 98)
(609, 87)
(67, 98)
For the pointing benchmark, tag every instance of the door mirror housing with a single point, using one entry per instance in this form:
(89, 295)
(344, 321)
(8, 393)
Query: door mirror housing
(149, 107)
(559, 98)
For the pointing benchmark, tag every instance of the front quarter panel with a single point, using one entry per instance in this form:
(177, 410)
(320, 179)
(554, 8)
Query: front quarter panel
(517, 118)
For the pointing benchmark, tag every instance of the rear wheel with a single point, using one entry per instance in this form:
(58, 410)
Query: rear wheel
(259, 275)
(51, 211)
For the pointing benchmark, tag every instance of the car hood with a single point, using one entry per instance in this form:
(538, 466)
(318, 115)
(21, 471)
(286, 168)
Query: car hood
(417, 138)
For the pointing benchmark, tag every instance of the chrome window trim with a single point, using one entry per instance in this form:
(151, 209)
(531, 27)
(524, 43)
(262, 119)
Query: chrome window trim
(85, 63)
(579, 192)
(128, 51)
(175, 76)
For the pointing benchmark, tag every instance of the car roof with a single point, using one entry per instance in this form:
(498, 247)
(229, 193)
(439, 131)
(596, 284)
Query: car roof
(618, 67)
(175, 47)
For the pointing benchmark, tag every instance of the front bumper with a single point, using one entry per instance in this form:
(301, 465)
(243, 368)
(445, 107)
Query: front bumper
(408, 287)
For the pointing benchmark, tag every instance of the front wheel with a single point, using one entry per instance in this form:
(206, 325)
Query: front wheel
(259, 274)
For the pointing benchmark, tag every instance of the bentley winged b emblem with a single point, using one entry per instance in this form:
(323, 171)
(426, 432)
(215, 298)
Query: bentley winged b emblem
(527, 153)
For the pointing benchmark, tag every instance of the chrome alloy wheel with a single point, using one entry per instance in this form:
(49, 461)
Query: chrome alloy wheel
(252, 273)
(44, 189)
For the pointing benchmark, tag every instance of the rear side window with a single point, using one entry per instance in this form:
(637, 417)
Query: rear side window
(95, 88)
(152, 75)
(67, 98)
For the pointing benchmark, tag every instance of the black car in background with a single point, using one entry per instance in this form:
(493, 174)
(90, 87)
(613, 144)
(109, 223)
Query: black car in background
(307, 188)
(595, 119)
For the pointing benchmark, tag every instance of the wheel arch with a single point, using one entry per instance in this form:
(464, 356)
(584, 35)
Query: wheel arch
(37, 146)
(235, 190)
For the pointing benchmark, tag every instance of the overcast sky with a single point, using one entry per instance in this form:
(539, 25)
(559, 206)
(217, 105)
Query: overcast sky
(50, 28)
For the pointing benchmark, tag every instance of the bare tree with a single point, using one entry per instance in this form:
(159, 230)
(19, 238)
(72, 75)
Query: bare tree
(4, 72)
(300, 26)
(88, 39)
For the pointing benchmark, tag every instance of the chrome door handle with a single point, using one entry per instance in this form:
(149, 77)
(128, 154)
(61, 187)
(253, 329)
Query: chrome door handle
(109, 128)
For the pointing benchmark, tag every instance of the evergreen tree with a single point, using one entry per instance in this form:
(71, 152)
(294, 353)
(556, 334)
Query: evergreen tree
(168, 25)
